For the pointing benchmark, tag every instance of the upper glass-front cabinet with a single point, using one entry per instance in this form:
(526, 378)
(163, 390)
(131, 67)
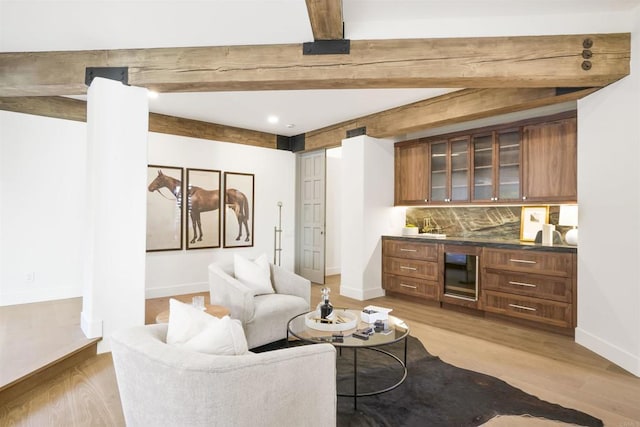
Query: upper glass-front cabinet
(509, 165)
(449, 166)
(496, 166)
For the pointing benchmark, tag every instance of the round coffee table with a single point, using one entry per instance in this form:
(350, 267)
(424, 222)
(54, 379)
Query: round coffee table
(214, 310)
(398, 330)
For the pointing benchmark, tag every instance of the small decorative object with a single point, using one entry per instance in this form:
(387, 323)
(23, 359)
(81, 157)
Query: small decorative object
(531, 221)
(338, 320)
(371, 313)
(569, 217)
(410, 230)
(325, 307)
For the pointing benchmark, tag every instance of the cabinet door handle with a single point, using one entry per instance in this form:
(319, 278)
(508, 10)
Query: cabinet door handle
(404, 285)
(522, 307)
(402, 267)
(523, 284)
(522, 261)
(408, 250)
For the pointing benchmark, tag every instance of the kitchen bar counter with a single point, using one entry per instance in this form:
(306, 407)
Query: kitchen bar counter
(498, 244)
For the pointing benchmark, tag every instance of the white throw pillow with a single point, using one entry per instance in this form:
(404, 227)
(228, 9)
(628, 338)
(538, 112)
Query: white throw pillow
(256, 274)
(196, 330)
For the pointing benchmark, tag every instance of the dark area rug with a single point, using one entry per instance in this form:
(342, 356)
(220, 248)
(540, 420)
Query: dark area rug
(434, 393)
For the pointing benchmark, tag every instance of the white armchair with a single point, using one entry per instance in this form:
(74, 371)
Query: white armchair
(263, 317)
(165, 385)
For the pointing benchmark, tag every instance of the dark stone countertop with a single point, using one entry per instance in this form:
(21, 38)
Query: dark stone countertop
(498, 244)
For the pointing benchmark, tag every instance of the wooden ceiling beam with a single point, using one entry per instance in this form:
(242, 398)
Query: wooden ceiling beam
(74, 109)
(326, 19)
(455, 107)
(490, 62)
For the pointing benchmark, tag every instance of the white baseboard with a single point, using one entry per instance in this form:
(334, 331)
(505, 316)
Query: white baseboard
(611, 352)
(332, 271)
(39, 295)
(360, 294)
(185, 288)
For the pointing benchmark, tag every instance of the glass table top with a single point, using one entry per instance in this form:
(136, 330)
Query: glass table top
(397, 330)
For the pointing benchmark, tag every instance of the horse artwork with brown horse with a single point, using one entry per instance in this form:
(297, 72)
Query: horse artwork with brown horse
(174, 185)
(238, 202)
(201, 200)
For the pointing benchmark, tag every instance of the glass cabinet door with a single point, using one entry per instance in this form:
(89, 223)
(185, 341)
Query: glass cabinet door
(483, 168)
(439, 172)
(509, 165)
(459, 171)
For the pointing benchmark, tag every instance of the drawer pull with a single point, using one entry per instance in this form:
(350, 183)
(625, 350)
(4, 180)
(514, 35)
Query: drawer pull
(522, 261)
(529, 285)
(402, 267)
(522, 307)
(408, 250)
(408, 286)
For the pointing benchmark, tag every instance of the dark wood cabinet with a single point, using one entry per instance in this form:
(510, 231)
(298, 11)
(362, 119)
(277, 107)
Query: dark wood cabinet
(532, 161)
(496, 158)
(550, 162)
(530, 285)
(449, 169)
(410, 268)
(411, 173)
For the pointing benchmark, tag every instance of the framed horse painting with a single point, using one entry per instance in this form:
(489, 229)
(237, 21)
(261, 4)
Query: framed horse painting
(203, 208)
(164, 208)
(238, 212)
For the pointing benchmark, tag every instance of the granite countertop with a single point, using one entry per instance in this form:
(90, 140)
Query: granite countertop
(498, 244)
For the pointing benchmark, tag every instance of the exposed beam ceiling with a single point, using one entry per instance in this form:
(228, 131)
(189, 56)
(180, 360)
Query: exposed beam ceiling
(326, 19)
(528, 61)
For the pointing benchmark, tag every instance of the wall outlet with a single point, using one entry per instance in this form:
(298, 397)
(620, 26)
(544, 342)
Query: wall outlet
(30, 276)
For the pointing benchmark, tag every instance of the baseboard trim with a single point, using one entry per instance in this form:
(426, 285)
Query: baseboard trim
(185, 288)
(332, 271)
(611, 352)
(361, 294)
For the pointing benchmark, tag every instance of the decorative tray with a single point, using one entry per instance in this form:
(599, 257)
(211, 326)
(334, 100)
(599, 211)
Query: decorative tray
(339, 320)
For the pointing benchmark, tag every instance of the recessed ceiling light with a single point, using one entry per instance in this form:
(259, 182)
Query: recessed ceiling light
(152, 94)
(273, 119)
(290, 125)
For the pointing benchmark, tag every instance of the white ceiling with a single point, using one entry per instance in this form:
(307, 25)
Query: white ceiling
(30, 25)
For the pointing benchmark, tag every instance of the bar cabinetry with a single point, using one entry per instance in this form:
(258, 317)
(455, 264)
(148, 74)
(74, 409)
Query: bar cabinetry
(530, 285)
(410, 268)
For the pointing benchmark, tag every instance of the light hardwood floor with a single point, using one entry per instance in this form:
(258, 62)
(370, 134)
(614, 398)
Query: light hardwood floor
(550, 366)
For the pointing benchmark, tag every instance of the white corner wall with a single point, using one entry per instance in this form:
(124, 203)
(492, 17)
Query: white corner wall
(179, 272)
(43, 193)
(609, 193)
(367, 213)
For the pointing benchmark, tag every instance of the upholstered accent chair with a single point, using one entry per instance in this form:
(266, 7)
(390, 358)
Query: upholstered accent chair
(263, 317)
(167, 385)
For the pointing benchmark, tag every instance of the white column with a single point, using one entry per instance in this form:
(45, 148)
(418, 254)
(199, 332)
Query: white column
(367, 213)
(114, 277)
(609, 217)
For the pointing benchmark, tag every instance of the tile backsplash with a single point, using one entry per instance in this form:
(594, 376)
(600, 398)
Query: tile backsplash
(491, 222)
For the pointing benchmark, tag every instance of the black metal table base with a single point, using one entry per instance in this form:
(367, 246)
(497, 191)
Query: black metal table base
(401, 362)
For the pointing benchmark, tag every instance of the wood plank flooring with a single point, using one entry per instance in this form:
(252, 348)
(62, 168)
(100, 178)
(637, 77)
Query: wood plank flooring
(551, 366)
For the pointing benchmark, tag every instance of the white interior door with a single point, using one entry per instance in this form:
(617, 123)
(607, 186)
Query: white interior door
(312, 216)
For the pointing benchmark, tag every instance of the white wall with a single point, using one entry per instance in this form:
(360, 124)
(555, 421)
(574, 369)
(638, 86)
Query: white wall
(333, 215)
(176, 272)
(367, 213)
(608, 193)
(43, 193)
